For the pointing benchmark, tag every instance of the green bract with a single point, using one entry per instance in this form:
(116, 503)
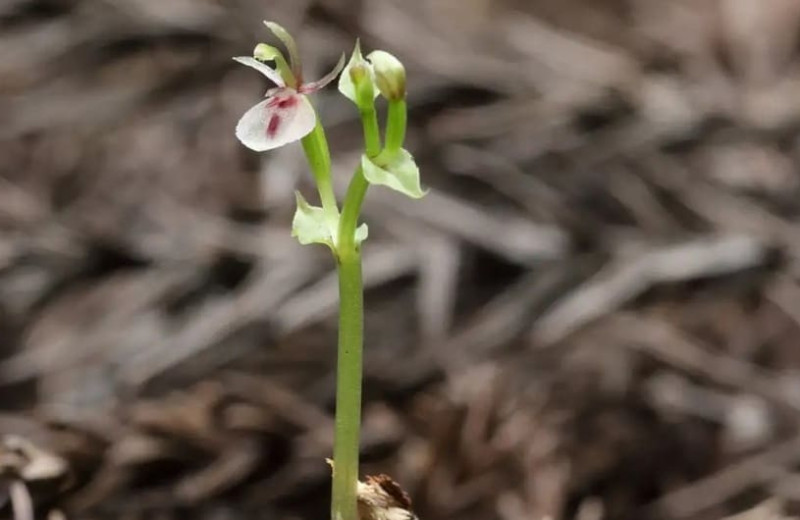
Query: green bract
(311, 226)
(399, 173)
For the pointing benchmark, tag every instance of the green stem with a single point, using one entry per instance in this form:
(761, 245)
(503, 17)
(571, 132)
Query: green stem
(348, 386)
(372, 133)
(395, 126)
(315, 146)
(351, 330)
(351, 210)
(348, 376)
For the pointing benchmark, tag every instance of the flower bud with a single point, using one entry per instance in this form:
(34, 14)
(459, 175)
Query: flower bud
(390, 75)
(357, 79)
(358, 73)
(362, 81)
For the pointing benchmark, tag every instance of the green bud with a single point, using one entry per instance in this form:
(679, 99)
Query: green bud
(358, 73)
(390, 75)
(362, 81)
(358, 76)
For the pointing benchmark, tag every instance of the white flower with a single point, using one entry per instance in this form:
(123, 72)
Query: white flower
(286, 115)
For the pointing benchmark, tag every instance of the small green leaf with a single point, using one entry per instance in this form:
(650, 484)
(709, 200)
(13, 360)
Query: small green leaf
(309, 225)
(399, 173)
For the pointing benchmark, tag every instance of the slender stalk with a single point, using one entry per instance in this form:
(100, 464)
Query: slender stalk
(351, 210)
(315, 146)
(395, 126)
(372, 133)
(351, 330)
(351, 317)
(348, 386)
(350, 354)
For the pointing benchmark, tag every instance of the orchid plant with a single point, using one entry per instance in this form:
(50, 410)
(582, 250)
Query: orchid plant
(287, 115)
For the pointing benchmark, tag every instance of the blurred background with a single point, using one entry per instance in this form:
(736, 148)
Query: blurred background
(593, 315)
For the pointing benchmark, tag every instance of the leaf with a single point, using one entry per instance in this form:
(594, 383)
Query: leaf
(309, 225)
(400, 173)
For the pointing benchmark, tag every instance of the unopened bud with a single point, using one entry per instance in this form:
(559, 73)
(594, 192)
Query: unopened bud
(362, 81)
(358, 73)
(390, 75)
(357, 80)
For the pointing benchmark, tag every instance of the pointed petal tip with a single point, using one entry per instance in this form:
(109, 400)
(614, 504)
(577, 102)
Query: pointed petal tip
(326, 79)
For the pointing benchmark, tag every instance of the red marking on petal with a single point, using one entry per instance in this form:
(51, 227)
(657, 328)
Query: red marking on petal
(287, 102)
(272, 126)
(282, 102)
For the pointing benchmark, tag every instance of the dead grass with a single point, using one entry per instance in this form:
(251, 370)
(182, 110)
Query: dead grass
(593, 315)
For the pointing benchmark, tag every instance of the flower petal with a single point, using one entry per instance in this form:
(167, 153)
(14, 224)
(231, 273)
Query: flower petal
(324, 80)
(283, 118)
(263, 68)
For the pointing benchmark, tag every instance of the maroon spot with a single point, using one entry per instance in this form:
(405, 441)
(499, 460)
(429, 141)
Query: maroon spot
(287, 102)
(272, 126)
(282, 102)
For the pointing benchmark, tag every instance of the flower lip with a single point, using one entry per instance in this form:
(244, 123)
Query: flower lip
(278, 120)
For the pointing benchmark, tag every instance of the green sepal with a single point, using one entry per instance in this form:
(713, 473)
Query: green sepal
(287, 40)
(399, 173)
